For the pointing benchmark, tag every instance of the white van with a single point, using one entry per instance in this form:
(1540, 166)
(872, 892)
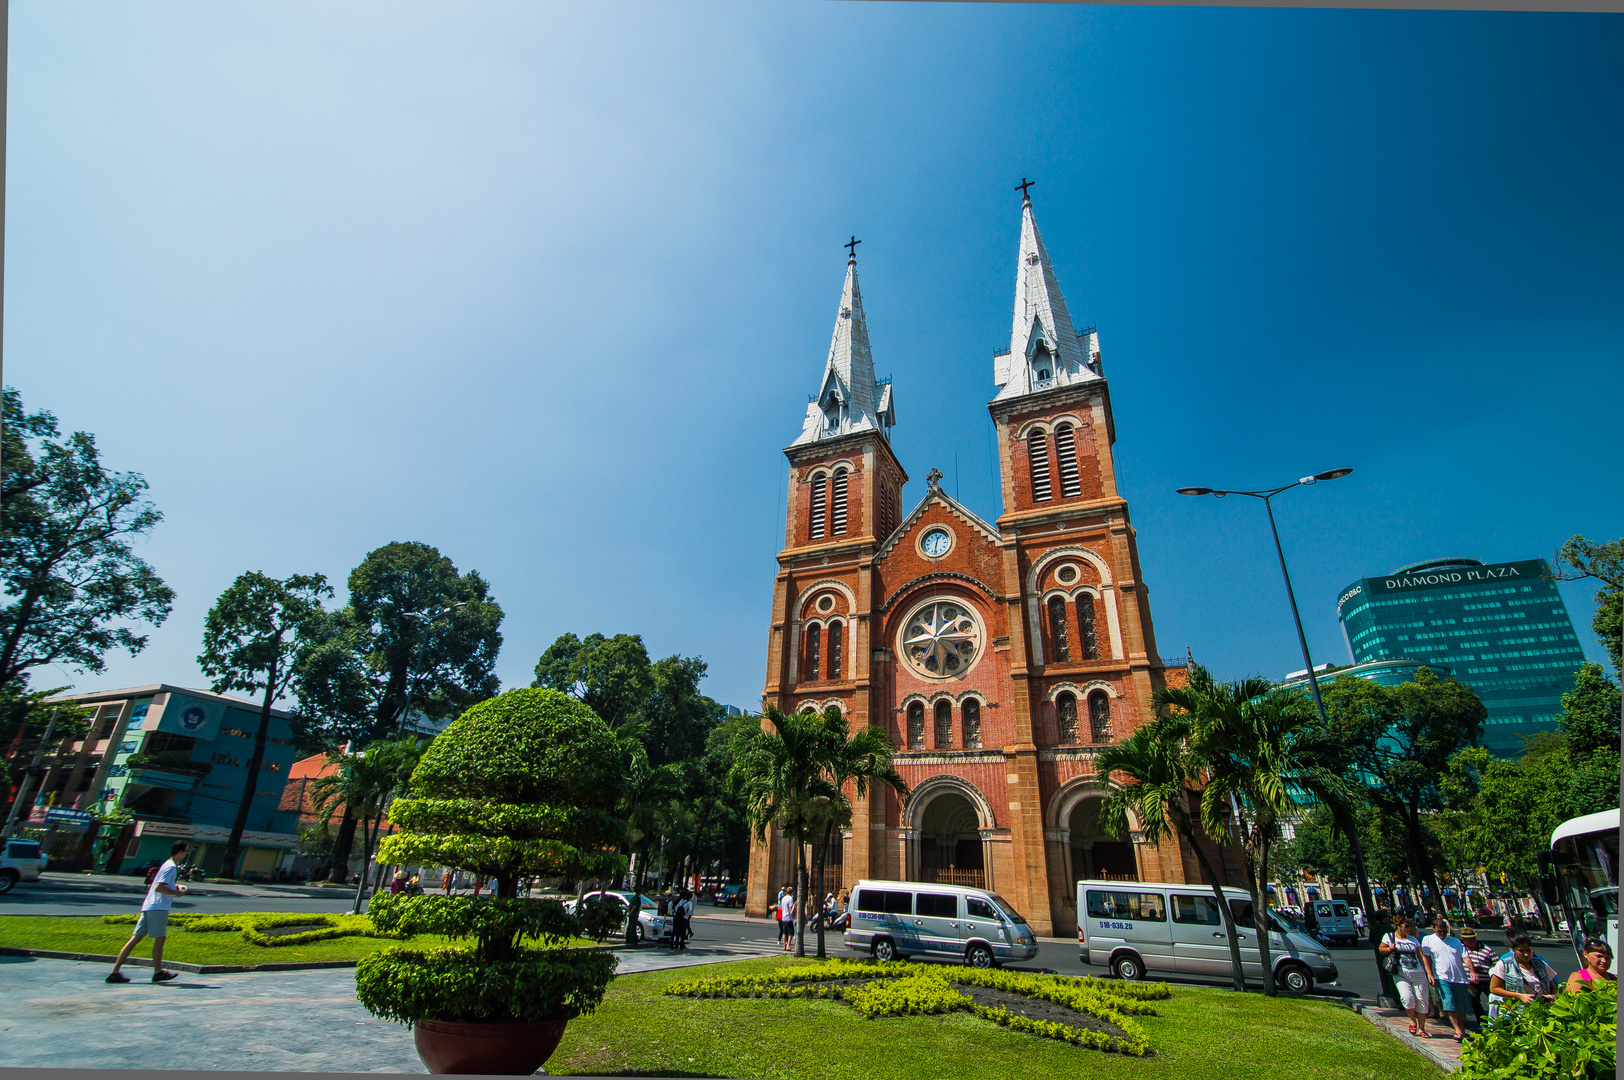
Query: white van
(892, 919)
(1334, 920)
(1143, 927)
(20, 860)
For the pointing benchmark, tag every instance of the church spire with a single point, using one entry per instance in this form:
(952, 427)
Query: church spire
(849, 398)
(1045, 350)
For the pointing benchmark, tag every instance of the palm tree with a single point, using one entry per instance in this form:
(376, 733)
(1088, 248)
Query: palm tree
(782, 775)
(859, 760)
(364, 784)
(1162, 786)
(642, 803)
(1262, 757)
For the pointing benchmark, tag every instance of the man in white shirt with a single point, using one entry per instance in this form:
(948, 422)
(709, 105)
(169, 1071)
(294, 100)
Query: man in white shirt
(786, 917)
(1450, 974)
(154, 920)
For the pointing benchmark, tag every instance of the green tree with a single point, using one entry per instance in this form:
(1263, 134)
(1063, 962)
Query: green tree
(67, 567)
(522, 785)
(856, 761)
(1161, 791)
(1512, 808)
(1580, 558)
(1399, 741)
(364, 783)
(616, 679)
(1262, 756)
(645, 795)
(414, 631)
(249, 638)
(1589, 722)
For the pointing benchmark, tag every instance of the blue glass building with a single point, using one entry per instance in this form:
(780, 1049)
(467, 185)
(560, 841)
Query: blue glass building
(1501, 628)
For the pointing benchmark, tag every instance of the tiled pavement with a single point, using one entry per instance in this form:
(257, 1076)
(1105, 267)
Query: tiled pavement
(1442, 1048)
(63, 1014)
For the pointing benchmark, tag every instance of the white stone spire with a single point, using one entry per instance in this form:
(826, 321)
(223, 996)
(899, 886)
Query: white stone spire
(849, 398)
(1045, 350)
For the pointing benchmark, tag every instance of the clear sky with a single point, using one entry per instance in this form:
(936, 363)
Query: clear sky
(547, 286)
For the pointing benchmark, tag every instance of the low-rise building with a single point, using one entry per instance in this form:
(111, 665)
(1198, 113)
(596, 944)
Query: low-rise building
(177, 760)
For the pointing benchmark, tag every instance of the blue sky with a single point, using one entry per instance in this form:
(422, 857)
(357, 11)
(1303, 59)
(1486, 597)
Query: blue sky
(546, 286)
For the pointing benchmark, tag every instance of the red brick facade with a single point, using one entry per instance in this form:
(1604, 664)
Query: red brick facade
(1061, 658)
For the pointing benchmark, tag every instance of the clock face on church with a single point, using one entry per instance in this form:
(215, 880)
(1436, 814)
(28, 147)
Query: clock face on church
(935, 543)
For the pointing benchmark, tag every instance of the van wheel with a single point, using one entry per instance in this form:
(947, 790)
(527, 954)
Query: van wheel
(885, 950)
(1128, 968)
(979, 956)
(8, 878)
(1295, 979)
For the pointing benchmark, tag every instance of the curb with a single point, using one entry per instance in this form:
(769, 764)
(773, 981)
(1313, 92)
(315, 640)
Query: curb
(1440, 1060)
(215, 969)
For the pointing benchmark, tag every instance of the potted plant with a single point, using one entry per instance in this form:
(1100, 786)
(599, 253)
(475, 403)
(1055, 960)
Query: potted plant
(522, 785)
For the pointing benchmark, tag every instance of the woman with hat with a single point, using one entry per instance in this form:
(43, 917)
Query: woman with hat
(1480, 957)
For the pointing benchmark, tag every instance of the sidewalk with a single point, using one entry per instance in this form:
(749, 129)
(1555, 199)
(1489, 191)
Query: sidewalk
(62, 1014)
(1442, 1050)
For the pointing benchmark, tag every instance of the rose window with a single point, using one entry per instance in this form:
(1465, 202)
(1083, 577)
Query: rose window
(941, 639)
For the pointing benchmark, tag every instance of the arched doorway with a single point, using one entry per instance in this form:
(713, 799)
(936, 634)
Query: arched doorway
(949, 839)
(1095, 852)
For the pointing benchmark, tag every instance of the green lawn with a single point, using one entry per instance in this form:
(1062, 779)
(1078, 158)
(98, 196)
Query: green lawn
(1199, 1033)
(89, 934)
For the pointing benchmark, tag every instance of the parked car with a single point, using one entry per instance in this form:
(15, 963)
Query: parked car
(1142, 927)
(22, 860)
(728, 896)
(890, 919)
(651, 926)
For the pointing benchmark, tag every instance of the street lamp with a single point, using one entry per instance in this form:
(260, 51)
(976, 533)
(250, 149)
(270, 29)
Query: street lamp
(1365, 895)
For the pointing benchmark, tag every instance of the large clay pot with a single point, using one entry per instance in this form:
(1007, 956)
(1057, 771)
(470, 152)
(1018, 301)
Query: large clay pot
(489, 1049)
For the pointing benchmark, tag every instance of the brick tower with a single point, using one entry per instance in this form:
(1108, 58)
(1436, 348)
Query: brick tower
(999, 656)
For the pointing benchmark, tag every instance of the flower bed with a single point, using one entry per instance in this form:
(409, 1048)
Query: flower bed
(902, 989)
(252, 925)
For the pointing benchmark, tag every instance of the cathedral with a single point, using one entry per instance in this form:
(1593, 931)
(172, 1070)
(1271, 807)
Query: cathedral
(998, 655)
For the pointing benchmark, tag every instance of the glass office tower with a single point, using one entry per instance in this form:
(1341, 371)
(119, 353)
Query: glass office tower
(1502, 629)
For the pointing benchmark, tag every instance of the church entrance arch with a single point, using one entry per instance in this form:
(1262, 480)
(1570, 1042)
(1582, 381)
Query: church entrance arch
(946, 846)
(1096, 852)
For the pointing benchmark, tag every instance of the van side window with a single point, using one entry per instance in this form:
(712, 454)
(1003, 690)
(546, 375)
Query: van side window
(885, 903)
(977, 908)
(1146, 907)
(898, 903)
(1241, 912)
(1195, 910)
(871, 900)
(939, 905)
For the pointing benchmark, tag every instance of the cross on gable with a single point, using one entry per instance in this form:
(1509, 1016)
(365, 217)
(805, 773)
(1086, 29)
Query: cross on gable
(1026, 196)
(933, 476)
(851, 246)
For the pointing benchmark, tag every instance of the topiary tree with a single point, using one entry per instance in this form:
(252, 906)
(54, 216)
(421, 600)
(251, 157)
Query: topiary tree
(522, 785)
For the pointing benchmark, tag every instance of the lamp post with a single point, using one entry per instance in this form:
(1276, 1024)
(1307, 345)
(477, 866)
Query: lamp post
(1365, 895)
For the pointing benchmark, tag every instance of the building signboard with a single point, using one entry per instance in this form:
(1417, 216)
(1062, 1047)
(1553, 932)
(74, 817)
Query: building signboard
(207, 834)
(192, 717)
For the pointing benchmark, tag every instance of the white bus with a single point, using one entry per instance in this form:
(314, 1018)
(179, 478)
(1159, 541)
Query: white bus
(1579, 877)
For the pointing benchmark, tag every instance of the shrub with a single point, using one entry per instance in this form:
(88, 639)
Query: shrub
(253, 924)
(522, 785)
(1572, 1037)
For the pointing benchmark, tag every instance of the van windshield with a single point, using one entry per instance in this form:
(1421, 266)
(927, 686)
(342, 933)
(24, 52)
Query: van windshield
(1009, 909)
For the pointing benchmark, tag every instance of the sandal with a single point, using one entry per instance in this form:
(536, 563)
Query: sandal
(1412, 1027)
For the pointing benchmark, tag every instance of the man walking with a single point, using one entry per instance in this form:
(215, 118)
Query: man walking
(154, 919)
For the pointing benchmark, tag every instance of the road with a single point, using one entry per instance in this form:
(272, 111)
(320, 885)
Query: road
(68, 895)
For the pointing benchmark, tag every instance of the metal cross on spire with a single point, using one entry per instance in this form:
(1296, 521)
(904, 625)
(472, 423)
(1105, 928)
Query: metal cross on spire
(1026, 196)
(851, 246)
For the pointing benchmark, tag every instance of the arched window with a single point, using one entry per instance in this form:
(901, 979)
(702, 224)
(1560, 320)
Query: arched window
(836, 634)
(944, 725)
(1057, 629)
(1099, 716)
(1037, 452)
(1042, 363)
(819, 485)
(1066, 707)
(1087, 636)
(1065, 450)
(814, 639)
(916, 725)
(837, 515)
(972, 724)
